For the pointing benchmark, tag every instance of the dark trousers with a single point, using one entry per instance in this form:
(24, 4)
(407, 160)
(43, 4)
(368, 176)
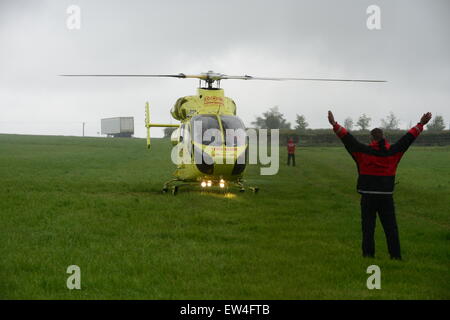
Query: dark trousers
(384, 205)
(291, 156)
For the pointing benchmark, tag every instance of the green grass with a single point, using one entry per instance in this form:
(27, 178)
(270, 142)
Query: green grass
(96, 203)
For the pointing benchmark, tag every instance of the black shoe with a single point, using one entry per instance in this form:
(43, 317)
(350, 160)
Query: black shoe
(369, 256)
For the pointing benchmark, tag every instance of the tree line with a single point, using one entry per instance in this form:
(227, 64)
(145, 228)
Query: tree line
(274, 119)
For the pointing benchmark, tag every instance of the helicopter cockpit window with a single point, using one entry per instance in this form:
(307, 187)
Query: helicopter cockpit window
(206, 130)
(234, 131)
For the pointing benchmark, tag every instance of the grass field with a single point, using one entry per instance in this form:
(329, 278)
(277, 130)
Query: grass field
(96, 203)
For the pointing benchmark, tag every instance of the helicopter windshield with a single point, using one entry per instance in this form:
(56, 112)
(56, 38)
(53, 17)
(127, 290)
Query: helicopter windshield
(234, 131)
(206, 130)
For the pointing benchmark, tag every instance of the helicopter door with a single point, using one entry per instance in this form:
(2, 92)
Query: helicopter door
(181, 137)
(188, 139)
(181, 141)
(185, 140)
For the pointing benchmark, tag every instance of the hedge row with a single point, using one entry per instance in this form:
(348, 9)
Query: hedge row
(325, 137)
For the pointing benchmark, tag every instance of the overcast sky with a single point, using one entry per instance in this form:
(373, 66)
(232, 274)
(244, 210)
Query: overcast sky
(261, 38)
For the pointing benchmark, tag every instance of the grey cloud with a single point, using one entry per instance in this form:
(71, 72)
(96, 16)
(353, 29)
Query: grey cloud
(268, 38)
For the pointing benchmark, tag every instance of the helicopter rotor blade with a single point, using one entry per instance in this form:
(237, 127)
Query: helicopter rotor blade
(247, 77)
(180, 75)
(211, 77)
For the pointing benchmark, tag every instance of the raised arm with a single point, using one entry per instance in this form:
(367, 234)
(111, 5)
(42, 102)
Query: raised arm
(349, 141)
(404, 142)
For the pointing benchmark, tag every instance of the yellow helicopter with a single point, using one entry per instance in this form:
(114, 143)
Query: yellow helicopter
(217, 160)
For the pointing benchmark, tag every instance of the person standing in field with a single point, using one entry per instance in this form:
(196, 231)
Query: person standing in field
(377, 165)
(291, 152)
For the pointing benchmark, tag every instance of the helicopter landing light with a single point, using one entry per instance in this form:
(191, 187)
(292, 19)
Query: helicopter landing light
(203, 184)
(209, 183)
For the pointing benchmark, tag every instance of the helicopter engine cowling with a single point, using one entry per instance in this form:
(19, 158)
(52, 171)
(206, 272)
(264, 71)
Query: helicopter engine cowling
(208, 101)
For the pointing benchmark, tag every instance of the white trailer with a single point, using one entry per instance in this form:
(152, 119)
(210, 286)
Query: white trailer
(118, 127)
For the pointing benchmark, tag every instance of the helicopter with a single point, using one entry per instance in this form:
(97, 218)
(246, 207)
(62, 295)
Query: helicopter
(215, 161)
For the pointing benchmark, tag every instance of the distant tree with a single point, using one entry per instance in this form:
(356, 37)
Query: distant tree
(272, 119)
(437, 124)
(168, 131)
(348, 123)
(301, 123)
(390, 123)
(363, 122)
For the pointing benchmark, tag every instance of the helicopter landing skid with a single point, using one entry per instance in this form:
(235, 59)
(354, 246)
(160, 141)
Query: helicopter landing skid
(242, 188)
(174, 185)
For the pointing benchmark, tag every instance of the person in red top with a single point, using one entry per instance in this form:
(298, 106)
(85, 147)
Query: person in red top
(377, 164)
(291, 152)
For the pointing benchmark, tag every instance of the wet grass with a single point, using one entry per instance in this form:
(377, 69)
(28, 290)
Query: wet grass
(96, 203)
